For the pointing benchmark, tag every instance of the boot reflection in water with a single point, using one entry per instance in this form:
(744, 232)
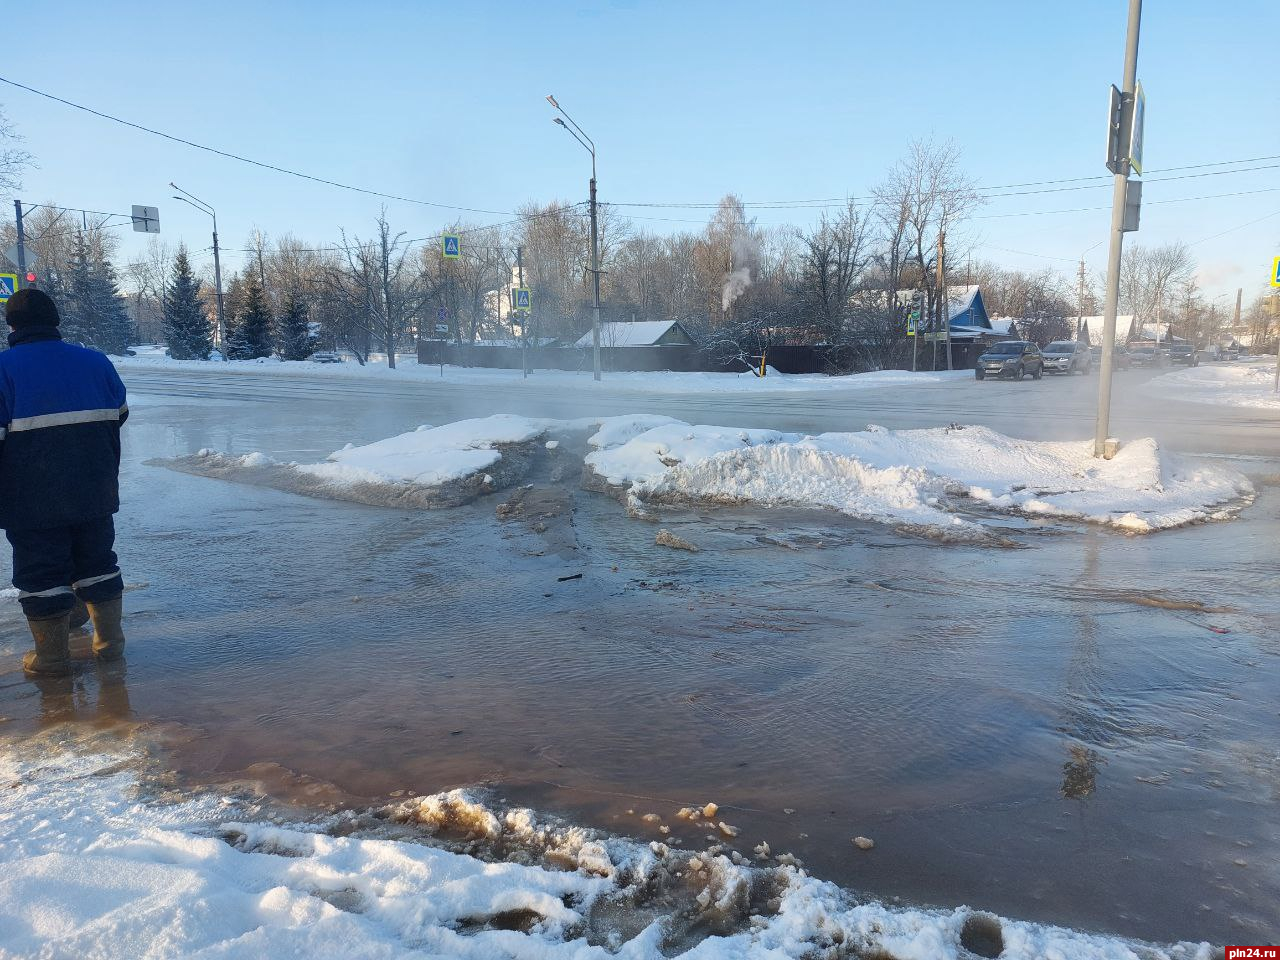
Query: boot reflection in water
(58, 697)
(113, 691)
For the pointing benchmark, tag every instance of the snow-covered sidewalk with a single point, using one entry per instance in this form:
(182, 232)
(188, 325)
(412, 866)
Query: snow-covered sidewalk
(936, 481)
(660, 382)
(91, 867)
(1247, 384)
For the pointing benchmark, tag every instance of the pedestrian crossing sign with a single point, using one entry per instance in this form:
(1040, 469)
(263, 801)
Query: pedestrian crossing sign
(450, 246)
(523, 300)
(1275, 273)
(8, 286)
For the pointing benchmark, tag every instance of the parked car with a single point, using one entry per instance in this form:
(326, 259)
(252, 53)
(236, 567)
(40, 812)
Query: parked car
(325, 357)
(1148, 355)
(1184, 353)
(1010, 358)
(1120, 359)
(1067, 356)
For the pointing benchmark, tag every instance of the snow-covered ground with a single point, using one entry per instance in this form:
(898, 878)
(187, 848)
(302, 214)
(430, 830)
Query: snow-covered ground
(1247, 383)
(658, 382)
(916, 479)
(90, 866)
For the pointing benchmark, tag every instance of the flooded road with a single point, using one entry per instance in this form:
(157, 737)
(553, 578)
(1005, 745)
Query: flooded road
(1082, 731)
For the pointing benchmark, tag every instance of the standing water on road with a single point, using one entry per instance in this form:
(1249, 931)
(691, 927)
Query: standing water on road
(1079, 730)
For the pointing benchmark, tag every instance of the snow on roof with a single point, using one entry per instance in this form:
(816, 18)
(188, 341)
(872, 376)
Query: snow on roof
(1003, 325)
(641, 333)
(960, 299)
(1124, 323)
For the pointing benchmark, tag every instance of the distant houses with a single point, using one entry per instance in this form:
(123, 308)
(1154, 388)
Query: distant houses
(640, 333)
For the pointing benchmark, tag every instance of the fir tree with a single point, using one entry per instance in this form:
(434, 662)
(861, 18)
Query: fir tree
(250, 336)
(293, 340)
(94, 311)
(186, 328)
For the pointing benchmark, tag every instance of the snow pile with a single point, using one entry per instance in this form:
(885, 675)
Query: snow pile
(428, 456)
(1246, 384)
(913, 477)
(427, 468)
(661, 381)
(92, 868)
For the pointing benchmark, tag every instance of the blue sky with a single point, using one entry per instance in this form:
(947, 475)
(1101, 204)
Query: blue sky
(686, 101)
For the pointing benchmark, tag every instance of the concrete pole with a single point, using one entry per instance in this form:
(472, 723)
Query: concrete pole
(217, 286)
(595, 276)
(1118, 193)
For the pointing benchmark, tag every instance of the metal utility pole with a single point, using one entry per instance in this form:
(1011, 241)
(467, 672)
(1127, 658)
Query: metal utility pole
(589, 144)
(916, 323)
(944, 310)
(22, 245)
(1119, 196)
(1080, 301)
(524, 324)
(194, 201)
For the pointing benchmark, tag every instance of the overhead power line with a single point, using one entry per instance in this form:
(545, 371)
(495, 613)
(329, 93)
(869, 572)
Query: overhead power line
(1051, 186)
(242, 159)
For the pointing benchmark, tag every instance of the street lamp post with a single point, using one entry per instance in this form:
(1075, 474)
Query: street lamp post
(579, 135)
(194, 201)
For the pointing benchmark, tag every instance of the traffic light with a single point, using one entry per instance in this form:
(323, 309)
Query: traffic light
(31, 276)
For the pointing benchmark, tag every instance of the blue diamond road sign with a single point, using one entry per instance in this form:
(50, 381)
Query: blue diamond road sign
(8, 285)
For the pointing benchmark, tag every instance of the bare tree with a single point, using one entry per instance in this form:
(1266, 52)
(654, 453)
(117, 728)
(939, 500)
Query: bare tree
(834, 261)
(13, 159)
(926, 195)
(1151, 278)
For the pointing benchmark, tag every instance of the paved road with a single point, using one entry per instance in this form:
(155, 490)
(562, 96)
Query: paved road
(1053, 408)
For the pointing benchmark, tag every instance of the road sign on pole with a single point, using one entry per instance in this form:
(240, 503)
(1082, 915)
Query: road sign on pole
(8, 286)
(450, 246)
(146, 219)
(524, 303)
(1275, 273)
(1135, 129)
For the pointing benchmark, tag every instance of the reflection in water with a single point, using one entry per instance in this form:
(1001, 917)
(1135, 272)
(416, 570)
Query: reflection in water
(96, 692)
(1080, 773)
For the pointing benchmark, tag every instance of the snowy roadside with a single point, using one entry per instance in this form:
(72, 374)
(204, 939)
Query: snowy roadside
(1246, 384)
(917, 480)
(94, 866)
(409, 370)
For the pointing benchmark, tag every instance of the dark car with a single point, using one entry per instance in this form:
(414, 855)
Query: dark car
(1184, 353)
(1010, 358)
(1148, 355)
(1119, 356)
(1067, 356)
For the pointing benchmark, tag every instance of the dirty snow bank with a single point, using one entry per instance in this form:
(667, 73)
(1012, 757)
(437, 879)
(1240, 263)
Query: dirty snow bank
(426, 468)
(915, 479)
(1248, 384)
(912, 477)
(93, 868)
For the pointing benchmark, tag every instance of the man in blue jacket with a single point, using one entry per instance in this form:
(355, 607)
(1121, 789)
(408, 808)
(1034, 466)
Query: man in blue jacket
(61, 408)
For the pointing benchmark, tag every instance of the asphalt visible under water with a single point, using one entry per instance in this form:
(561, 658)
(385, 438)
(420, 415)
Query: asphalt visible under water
(1081, 731)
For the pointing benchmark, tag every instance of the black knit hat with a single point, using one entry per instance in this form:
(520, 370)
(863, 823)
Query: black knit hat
(31, 308)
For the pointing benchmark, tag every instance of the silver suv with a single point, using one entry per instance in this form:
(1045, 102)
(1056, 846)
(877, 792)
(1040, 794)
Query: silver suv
(1067, 356)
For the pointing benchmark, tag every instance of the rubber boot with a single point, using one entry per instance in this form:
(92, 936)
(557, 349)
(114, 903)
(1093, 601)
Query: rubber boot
(79, 614)
(108, 636)
(52, 655)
